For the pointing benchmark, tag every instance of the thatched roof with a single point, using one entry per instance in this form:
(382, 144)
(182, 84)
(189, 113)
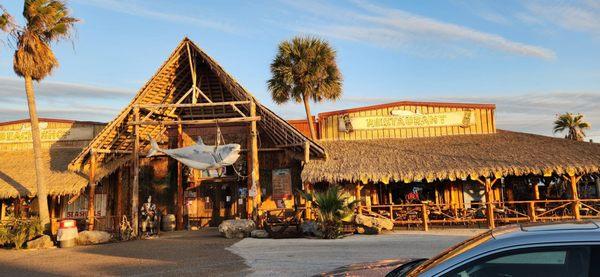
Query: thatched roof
(17, 173)
(452, 157)
(170, 83)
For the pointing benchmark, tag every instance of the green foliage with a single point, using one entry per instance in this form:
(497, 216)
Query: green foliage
(573, 124)
(48, 21)
(332, 207)
(305, 67)
(19, 231)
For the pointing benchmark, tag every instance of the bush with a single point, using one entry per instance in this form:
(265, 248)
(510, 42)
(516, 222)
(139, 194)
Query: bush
(332, 208)
(18, 231)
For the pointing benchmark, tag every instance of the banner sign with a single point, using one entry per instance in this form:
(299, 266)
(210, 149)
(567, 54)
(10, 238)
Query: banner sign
(47, 134)
(78, 209)
(282, 183)
(406, 119)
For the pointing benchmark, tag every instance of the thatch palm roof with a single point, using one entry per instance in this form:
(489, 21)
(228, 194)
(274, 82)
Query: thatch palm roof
(452, 157)
(17, 173)
(167, 86)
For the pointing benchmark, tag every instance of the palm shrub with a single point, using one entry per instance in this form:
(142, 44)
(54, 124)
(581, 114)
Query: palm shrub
(19, 231)
(333, 207)
(304, 69)
(573, 124)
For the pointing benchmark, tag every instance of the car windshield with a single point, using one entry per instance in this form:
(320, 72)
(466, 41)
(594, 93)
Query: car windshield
(450, 253)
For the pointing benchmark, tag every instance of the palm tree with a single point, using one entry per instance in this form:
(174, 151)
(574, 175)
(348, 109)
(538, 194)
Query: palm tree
(47, 21)
(305, 68)
(573, 123)
(333, 207)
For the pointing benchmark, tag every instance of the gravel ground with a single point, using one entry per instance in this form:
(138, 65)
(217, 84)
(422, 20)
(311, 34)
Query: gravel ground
(196, 253)
(305, 257)
(205, 253)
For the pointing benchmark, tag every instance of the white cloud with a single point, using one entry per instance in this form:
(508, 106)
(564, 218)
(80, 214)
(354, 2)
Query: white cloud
(61, 100)
(383, 26)
(136, 8)
(580, 16)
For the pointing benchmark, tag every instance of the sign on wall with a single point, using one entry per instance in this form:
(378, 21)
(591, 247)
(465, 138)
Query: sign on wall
(78, 209)
(282, 183)
(48, 134)
(406, 119)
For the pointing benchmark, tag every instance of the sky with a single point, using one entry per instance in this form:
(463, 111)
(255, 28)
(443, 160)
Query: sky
(532, 59)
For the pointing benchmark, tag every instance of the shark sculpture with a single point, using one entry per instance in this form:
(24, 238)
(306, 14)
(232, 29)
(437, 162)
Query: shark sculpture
(201, 156)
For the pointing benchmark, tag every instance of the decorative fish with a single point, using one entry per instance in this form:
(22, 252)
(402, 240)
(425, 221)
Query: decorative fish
(201, 156)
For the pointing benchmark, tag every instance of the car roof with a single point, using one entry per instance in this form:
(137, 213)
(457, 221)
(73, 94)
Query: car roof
(526, 235)
(553, 232)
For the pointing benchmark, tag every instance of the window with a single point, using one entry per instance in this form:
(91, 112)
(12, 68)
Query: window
(546, 261)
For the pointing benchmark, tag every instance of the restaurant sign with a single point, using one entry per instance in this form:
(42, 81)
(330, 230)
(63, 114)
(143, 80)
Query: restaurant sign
(406, 119)
(23, 134)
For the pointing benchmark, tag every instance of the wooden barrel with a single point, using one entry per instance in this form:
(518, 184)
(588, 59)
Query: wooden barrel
(168, 222)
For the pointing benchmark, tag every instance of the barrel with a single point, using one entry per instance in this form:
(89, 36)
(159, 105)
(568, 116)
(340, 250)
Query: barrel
(168, 222)
(67, 233)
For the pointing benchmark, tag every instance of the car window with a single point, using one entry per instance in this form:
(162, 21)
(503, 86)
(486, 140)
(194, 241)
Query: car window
(547, 262)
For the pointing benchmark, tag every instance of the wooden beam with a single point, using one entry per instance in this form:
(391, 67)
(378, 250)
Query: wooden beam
(575, 196)
(358, 197)
(308, 213)
(135, 184)
(179, 215)
(92, 191)
(488, 203)
(119, 196)
(306, 151)
(197, 122)
(188, 105)
(425, 215)
(255, 171)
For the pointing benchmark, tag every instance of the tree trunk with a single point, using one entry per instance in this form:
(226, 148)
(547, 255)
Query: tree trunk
(42, 197)
(311, 124)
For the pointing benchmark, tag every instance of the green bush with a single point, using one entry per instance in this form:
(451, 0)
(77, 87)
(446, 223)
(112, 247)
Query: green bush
(332, 207)
(18, 231)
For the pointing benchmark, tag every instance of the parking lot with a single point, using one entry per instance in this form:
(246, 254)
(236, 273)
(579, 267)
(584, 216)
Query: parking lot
(205, 253)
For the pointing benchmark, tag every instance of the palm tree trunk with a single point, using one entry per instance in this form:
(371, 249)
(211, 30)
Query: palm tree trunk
(311, 124)
(42, 197)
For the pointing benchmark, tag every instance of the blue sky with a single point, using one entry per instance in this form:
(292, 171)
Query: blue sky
(532, 59)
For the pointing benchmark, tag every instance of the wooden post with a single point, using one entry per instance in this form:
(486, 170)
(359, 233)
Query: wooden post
(488, 203)
(119, 197)
(532, 215)
(425, 217)
(135, 184)
(390, 198)
(253, 181)
(308, 213)
(179, 214)
(358, 197)
(92, 191)
(536, 192)
(2, 210)
(575, 196)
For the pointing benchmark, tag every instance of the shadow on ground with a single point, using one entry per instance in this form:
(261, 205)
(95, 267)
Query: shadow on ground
(173, 254)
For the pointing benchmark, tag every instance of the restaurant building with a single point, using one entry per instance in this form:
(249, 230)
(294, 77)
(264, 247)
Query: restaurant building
(191, 96)
(422, 163)
(62, 140)
(417, 163)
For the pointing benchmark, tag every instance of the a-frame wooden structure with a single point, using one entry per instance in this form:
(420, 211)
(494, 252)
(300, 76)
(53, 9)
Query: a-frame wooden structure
(190, 88)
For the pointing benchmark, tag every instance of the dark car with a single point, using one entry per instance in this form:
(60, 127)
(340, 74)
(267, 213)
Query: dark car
(528, 250)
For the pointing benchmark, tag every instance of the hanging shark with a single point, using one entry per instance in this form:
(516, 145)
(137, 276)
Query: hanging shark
(201, 156)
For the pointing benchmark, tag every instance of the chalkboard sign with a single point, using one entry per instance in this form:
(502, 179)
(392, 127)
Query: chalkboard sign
(282, 183)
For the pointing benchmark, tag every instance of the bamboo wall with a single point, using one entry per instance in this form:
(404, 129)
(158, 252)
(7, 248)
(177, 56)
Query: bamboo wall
(484, 121)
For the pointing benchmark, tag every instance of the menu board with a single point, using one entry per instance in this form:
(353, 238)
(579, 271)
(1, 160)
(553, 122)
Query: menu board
(282, 183)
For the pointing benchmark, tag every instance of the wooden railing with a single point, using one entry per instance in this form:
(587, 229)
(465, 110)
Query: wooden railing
(506, 212)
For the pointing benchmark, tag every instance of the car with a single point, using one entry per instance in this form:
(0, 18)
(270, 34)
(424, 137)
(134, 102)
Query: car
(550, 249)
